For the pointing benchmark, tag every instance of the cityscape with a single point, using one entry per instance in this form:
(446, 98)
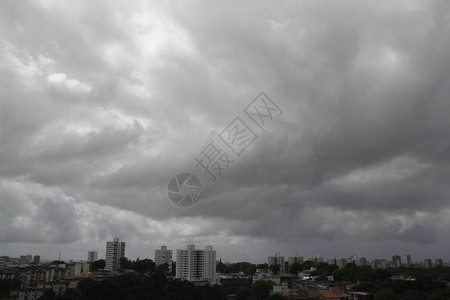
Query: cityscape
(224, 150)
(289, 277)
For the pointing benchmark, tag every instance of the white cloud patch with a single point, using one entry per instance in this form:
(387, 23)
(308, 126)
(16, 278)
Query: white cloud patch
(60, 81)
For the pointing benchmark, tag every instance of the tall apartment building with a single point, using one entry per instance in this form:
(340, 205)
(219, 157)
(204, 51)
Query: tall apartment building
(115, 250)
(296, 258)
(92, 256)
(397, 260)
(438, 262)
(26, 259)
(163, 256)
(408, 260)
(427, 264)
(36, 259)
(277, 260)
(197, 265)
(316, 258)
(340, 262)
(353, 260)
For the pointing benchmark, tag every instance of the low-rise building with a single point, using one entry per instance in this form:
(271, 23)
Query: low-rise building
(331, 295)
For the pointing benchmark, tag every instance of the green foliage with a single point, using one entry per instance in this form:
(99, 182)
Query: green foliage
(261, 289)
(135, 286)
(221, 268)
(244, 294)
(275, 269)
(244, 267)
(98, 265)
(426, 286)
(48, 295)
(143, 266)
(294, 268)
(262, 266)
(124, 263)
(277, 297)
(308, 265)
(7, 285)
(162, 269)
(387, 294)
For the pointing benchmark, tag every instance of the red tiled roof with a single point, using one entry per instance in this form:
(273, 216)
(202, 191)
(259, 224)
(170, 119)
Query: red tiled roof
(331, 295)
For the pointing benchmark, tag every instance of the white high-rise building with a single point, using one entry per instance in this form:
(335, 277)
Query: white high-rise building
(277, 260)
(197, 265)
(92, 256)
(115, 250)
(296, 258)
(163, 256)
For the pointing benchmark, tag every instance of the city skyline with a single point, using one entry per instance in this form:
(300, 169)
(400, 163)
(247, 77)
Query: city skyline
(167, 255)
(104, 104)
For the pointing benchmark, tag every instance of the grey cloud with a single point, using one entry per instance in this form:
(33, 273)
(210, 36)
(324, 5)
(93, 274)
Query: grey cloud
(103, 103)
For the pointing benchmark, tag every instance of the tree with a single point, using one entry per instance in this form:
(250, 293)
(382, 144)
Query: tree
(174, 268)
(7, 285)
(244, 294)
(49, 294)
(277, 297)
(163, 268)
(98, 265)
(125, 263)
(295, 268)
(275, 269)
(261, 289)
(387, 294)
(221, 267)
(143, 266)
(263, 266)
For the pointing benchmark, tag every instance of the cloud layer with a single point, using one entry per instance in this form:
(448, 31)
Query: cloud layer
(101, 104)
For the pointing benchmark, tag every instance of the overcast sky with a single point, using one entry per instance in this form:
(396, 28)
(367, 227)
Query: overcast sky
(101, 103)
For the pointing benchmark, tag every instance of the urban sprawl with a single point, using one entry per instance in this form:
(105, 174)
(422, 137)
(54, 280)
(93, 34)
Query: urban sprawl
(294, 277)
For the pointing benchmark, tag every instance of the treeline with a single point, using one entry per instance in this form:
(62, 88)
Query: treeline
(141, 266)
(428, 283)
(250, 269)
(8, 285)
(136, 287)
(156, 287)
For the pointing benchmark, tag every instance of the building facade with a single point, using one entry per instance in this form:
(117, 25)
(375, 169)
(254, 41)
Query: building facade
(92, 256)
(277, 260)
(115, 250)
(296, 258)
(196, 265)
(427, 264)
(163, 256)
(396, 261)
(36, 259)
(408, 260)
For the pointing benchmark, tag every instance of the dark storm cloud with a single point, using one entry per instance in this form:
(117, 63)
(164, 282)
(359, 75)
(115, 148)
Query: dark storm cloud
(102, 103)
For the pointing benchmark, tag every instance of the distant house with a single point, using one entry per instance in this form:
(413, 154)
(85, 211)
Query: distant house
(282, 290)
(330, 295)
(361, 295)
